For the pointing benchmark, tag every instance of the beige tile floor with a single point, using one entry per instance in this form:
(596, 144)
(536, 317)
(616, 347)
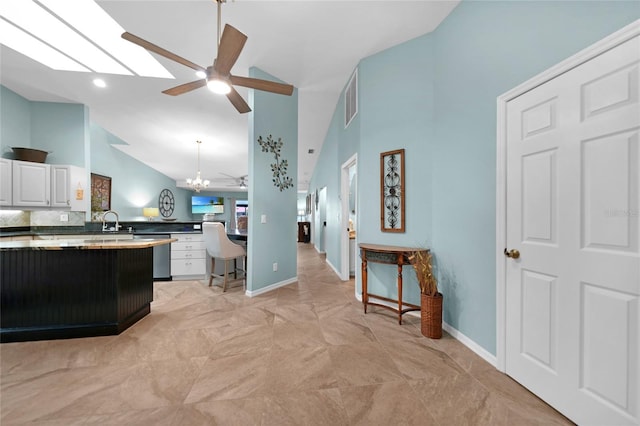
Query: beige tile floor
(304, 354)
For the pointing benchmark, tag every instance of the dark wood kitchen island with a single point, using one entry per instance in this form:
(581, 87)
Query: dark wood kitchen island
(60, 289)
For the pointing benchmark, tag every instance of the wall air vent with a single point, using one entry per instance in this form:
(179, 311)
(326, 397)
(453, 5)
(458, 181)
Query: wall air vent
(351, 99)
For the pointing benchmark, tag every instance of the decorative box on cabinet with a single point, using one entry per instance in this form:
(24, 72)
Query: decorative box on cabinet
(187, 256)
(31, 184)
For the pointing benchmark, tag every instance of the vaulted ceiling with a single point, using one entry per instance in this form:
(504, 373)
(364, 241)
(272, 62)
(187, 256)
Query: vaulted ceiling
(314, 45)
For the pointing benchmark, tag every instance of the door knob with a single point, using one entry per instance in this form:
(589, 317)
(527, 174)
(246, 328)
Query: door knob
(513, 253)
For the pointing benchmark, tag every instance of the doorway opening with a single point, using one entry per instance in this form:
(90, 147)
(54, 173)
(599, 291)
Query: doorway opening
(349, 222)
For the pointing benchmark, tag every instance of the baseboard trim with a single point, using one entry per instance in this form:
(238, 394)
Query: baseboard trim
(456, 334)
(267, 289)
(332, 267)
(476, 348)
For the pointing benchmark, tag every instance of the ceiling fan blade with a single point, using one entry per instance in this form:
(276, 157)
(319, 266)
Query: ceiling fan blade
(237, 101)
(184, 88)
(265, 85)
(231, 44)
(160, 51)
(229, 176)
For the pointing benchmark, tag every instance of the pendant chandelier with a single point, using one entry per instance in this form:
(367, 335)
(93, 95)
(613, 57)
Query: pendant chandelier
(197, 184)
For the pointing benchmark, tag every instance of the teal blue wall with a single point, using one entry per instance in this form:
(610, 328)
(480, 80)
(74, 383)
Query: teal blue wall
(396, 94)
(15, 122)
(435, 96)
(484, 49)
(59, 129)
(64, 130)
(134, 184)
(339, 145)
(274, 241)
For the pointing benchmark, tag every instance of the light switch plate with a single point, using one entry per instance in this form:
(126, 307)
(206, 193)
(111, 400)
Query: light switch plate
(263, 218)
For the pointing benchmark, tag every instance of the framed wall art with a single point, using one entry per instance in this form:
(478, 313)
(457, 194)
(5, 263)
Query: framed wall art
(392, 191)
(100, 192)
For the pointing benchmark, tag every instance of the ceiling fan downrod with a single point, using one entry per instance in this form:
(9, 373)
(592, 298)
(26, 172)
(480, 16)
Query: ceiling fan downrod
(219, 23)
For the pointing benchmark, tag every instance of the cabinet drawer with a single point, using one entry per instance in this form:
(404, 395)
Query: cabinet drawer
(186, 246)
(187, 254)
(187, 238)
(187, 267)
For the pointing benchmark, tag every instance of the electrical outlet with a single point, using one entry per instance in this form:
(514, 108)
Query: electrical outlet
(275, 266)
(64, 217)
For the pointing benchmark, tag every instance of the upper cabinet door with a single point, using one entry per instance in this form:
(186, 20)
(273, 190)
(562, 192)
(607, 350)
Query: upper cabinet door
(60, 186)
(5, 182)
(31, 184)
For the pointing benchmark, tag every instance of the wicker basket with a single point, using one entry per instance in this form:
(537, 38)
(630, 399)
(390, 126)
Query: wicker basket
(431, 315)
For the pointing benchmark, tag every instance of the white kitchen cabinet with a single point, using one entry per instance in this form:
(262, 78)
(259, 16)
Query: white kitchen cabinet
(5, 182)
(31, 184)
(187, 256)
(65, 180)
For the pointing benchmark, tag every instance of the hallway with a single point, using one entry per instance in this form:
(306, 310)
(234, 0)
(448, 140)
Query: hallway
(303, 354)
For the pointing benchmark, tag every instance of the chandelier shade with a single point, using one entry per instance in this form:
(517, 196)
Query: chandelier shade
(198, 183)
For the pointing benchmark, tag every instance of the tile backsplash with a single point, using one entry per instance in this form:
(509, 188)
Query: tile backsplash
(19, 218)
(14, 218)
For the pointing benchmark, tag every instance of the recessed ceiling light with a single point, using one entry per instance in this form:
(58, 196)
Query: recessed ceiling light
(99, 82)
(33, 48)
(43, 25)
(201, 74)
(94, 23)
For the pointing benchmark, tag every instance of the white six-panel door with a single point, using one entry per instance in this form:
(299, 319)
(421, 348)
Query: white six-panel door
(573, 211)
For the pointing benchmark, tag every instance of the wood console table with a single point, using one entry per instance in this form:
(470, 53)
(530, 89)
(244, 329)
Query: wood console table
(390, 255)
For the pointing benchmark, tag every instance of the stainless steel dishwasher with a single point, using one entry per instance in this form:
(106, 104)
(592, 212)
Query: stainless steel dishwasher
(161, 257)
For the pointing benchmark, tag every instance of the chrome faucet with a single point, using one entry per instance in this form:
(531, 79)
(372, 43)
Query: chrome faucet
(115, 228)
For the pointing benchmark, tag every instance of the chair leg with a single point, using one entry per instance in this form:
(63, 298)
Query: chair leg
(213, 264)
(235, 268)
(224, 284)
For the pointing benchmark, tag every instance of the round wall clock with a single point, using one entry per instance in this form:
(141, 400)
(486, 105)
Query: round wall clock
(166, 203)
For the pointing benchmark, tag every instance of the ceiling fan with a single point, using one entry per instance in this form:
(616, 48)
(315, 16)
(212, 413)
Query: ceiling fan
(217, 77)
(240, 181)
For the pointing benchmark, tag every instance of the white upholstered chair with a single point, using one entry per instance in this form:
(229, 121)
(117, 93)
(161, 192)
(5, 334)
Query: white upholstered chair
(219, 246)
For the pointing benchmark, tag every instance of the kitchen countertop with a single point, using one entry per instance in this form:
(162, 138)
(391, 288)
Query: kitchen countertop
(95, 244)
(94, 228)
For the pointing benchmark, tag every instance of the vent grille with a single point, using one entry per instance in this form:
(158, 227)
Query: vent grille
(351, 99)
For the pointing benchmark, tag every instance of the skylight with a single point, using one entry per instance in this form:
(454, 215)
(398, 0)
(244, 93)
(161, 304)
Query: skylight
(92, 21)
(64, 24)
(30, 46)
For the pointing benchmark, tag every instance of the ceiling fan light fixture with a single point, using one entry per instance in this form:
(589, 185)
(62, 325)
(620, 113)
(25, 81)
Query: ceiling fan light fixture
(219, 86)
(201, 74)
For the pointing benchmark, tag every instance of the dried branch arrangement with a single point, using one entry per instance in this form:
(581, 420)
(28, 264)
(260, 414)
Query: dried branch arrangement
(421, 262)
